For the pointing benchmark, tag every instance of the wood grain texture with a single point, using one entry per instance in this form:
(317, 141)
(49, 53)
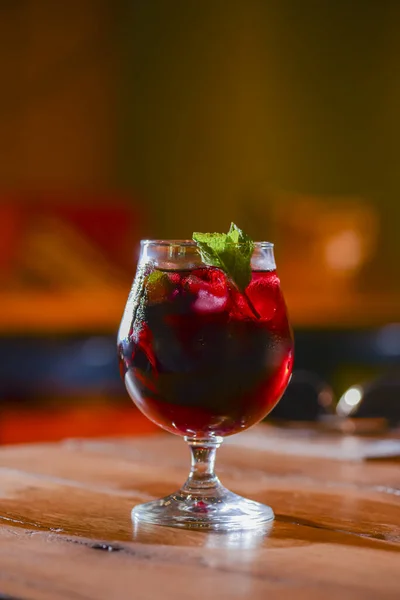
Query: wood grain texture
(66, 532)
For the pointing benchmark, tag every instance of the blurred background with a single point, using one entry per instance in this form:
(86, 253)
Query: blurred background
(125, 119)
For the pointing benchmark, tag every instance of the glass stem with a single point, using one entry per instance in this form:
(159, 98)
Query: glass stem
(202, 476)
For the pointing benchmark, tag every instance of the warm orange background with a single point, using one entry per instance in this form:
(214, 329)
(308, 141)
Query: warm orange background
(158, 119)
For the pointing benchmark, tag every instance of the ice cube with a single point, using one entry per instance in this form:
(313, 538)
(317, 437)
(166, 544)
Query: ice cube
(264, 292)
(207, 302)
(239, 307)
(209, 279)
(209, 289)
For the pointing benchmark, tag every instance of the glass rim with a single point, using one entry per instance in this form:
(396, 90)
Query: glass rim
(192, 243)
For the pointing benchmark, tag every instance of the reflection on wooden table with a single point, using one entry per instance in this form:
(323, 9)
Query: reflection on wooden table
(66, 528)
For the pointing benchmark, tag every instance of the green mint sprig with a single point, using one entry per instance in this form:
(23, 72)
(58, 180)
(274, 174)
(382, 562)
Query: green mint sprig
(231, 252)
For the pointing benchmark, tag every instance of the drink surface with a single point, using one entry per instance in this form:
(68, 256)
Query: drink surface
(199, 357)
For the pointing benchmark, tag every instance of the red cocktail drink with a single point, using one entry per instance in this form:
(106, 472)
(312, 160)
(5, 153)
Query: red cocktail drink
(202, 358)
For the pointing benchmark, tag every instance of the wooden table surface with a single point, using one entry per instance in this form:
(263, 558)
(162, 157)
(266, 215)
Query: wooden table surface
(66, 530)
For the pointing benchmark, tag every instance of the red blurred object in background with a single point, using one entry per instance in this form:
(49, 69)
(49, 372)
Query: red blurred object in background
(66, 264)
(66, 261)
(101, 226)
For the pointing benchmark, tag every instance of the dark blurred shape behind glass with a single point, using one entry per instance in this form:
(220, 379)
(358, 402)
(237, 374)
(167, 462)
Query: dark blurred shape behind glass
(307, 398)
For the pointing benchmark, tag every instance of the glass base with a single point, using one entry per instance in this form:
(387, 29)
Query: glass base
(215, 509)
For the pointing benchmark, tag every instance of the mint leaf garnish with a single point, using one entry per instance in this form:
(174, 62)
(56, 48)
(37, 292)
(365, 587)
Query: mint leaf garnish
(231, 252)
(157, 286)
(155, 277)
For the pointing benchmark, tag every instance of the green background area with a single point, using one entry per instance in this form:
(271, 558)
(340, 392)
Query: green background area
(225, 104)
